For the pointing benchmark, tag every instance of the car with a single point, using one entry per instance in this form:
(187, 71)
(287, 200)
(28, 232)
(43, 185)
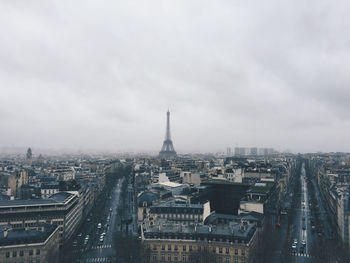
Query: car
(283, 212)
(303, 242)
(86, 241)
(75, 243)
(87, 237)
(104, 233)
(101, 239)
(295, 241)
(294, 246)
(99, 226)
(80, 235)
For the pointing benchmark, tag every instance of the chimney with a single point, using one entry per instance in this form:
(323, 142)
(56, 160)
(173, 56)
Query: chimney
(5, 232)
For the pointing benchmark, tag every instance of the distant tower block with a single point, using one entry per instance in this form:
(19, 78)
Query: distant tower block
(29, 157)
(168, 148)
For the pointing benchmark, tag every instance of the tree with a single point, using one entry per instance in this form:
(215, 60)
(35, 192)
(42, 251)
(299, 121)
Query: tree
(129, 248)
(329, 251)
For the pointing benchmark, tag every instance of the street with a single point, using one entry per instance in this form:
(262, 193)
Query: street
(90, 247)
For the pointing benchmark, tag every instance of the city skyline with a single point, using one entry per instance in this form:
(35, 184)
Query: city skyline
(232, 74)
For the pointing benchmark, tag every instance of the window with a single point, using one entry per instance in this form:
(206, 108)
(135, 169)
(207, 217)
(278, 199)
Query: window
(243, 252)
(184, 258)
(236, 251)
(154, 257)
(14, 254)
(220, 250)
(163, 247)
(169, 257)
(227, 260)
(236, 260)
(243, 260)
(214, 250)
(163, 257)
(7, 254)
(190, 248)
(154, 247)
(169, 247)
(227, 250)
(175, 257)
(184, 248)
(37, 252)
(21, 253)
(175, 248)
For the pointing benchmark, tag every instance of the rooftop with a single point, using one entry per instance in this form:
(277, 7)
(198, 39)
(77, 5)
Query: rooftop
(38, 234)
(57, 198)
(177, 203)
(233, 231)
(170, 184)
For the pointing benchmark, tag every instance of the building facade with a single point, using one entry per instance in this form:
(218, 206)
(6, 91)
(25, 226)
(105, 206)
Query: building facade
(62, 209)
(177, 243)
(180, 212)
(38, 244)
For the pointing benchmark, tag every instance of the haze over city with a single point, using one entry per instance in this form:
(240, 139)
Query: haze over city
(92, 75)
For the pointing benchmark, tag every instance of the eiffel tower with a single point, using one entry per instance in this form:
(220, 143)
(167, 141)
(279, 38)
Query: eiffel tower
(167, 150)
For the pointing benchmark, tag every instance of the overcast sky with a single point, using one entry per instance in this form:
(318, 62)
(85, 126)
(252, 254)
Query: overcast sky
(102, 74)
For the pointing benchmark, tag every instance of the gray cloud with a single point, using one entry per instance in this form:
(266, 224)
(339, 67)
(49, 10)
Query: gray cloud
(92, 75)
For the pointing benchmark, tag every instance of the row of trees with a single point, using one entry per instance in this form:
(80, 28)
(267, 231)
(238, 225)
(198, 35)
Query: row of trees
(325, 249)
(296, 186)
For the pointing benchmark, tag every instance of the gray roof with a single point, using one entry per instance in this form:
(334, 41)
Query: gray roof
(148, 197)
(54, 199)
(164, 230)
(22, 236)
(175, 203)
